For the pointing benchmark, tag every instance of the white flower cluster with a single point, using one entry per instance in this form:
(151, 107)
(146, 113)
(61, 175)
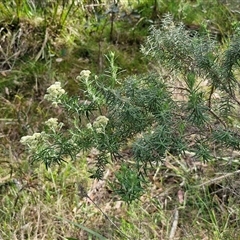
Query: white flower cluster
(34, 141)
(54, 92)
(100, 124)
(31, 141)
(84, 74)
(100, 121)
(53, 124)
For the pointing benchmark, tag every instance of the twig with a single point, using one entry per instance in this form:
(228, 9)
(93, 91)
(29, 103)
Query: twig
(174, 225)
(217, 179)
(43, 46)
(95, 5)
(218, 118)
(210, 97)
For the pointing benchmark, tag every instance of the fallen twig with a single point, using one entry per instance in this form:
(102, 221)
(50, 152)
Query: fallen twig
(214, 180)
(174, 225)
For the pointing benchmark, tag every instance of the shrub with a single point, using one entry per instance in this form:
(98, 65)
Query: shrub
(188, 103)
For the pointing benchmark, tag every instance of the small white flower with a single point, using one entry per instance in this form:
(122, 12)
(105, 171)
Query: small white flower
(36, 136)
(100, 123)
(56, 89)
(54, 92)
(99, 130)
(84, 74)
(89, 126)
(53, 124)
(26, 139)
(31, 141)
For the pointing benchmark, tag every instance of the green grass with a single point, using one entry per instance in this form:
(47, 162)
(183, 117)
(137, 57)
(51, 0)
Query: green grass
(45, 204)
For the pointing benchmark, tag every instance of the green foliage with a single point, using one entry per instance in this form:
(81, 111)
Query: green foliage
(144, 110)
(128, 184)
(215, 16)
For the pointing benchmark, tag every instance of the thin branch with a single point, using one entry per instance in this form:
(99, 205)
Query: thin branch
(218, 118)
(174, 225)
(41, 52)
(214, 180)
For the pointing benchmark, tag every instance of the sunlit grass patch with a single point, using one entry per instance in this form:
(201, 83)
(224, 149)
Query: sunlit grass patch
(45, 204)
(37, 198)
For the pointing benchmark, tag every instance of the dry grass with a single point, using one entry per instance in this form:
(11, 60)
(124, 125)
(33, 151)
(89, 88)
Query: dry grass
(185, 200)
